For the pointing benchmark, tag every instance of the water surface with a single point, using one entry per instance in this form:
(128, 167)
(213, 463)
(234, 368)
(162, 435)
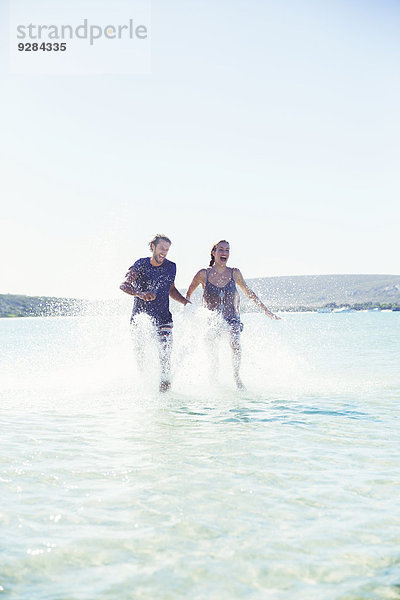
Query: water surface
(289, 489)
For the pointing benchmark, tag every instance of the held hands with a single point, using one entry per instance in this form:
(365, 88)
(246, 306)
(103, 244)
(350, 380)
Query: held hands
(188, 307)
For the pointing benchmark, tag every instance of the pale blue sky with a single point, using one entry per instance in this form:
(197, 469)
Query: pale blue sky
(274, 125)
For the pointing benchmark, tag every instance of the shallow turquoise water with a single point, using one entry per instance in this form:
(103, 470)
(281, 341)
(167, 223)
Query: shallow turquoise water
(289, 489)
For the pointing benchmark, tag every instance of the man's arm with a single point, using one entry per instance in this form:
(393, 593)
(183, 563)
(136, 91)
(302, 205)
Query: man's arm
(238, 277)
(128, 286)
(176, 295)
(200, 277)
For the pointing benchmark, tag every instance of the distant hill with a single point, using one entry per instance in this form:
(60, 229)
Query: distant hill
(315, 291)
(302, 292)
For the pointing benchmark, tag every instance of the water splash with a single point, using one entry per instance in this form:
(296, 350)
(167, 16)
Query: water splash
(92, 355)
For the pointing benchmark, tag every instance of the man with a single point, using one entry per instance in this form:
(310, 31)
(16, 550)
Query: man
(151, 281)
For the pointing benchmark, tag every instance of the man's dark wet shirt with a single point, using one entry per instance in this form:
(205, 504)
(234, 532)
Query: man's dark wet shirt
(157, 280)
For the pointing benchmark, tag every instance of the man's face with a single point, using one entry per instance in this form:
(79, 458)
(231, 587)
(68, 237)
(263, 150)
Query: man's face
(160, 251)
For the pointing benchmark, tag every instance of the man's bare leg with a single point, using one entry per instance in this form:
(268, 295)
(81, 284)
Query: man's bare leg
(138, 346)
(164, 350)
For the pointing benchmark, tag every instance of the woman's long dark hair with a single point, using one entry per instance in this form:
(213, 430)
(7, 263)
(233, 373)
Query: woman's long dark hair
(212, 261)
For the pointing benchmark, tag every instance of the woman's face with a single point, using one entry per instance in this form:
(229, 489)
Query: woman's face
(221, 253)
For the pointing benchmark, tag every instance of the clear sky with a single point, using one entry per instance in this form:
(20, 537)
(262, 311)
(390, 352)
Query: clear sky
(272, 124)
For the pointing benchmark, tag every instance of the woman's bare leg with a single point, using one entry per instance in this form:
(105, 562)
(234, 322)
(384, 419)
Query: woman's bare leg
(236, 359)
(211, 339)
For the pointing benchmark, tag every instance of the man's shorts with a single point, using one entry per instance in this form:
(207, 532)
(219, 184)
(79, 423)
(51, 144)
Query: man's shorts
(164, 332)
(140, 324)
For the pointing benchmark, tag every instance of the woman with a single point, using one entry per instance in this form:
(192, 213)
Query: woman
(221, 295)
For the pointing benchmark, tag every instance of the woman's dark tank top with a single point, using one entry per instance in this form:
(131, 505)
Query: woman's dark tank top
(224, 299)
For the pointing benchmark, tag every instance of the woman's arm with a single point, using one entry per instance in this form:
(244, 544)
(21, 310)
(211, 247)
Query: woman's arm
(199, 278)
(238, 277)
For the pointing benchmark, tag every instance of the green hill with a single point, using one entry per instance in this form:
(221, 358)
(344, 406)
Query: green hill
(12, 305)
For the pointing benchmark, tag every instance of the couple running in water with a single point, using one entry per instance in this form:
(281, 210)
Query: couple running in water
(152, 281)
